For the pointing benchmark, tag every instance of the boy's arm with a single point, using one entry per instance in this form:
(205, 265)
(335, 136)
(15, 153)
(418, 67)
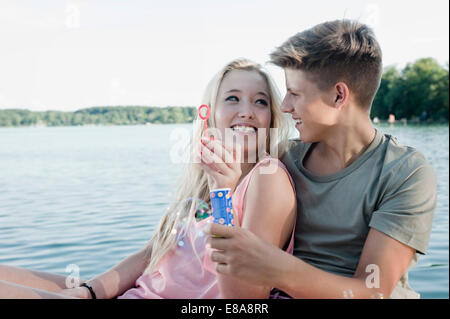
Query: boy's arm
(270, 211)
(400, 227)
(249, 258)
(383, 261)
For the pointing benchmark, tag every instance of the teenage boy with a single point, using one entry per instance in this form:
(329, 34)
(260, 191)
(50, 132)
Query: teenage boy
(365, 202)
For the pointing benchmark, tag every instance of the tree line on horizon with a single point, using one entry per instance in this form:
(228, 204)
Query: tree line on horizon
(101, 115)
(419, 92)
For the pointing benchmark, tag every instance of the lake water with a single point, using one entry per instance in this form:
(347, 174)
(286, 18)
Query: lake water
(91, 196)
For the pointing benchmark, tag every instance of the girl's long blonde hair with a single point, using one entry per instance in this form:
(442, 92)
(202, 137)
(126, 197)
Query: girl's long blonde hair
(194, 182)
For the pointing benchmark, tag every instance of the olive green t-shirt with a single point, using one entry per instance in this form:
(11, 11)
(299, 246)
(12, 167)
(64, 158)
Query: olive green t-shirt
(390, 187)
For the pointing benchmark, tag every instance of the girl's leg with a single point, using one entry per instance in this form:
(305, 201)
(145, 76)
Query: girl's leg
(32, 278)
(14, 291)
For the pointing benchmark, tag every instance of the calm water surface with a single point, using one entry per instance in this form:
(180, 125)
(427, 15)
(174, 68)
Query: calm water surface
(92, 196)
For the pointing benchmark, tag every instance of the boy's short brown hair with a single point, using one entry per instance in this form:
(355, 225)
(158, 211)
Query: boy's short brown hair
(341, 50)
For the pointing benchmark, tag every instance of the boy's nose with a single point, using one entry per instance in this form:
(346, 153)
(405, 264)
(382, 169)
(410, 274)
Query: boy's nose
(286, 107)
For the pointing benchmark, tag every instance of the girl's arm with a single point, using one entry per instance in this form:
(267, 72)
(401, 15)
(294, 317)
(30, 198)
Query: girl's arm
(9, 290)
(22, 283)
(270, 211)
(270, 206)
(32, 278)
(117, 280)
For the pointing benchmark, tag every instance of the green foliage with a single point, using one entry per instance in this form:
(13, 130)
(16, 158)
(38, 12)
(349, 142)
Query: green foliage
(120, 115)
(419, 91)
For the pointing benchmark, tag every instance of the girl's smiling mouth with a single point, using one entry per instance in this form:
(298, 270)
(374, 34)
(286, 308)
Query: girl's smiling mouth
(243, 128)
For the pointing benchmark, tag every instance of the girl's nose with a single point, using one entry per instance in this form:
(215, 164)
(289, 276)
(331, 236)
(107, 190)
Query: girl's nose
(246, 111)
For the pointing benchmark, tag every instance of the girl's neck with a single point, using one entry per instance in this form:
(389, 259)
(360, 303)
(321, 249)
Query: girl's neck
(248, 165)
(246, 168)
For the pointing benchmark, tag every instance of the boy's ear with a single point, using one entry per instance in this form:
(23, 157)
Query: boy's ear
(342, 93)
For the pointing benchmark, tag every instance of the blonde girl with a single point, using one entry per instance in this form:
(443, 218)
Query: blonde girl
(244, 102)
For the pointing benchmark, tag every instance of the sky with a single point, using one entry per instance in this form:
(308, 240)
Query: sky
(67, 55)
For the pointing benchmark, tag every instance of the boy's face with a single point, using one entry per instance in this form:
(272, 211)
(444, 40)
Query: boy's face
(312, 109)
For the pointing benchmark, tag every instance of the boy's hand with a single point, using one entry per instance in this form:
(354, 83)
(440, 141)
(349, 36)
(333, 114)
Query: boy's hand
(240, 253)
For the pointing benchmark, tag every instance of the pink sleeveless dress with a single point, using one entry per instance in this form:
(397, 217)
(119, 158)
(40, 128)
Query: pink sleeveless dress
(187, 272)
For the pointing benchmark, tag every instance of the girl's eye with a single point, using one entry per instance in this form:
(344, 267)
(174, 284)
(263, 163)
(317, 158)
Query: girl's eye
(232, 98)
(263, 102)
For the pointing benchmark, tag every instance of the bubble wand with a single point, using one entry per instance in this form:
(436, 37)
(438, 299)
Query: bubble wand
(221, 202)
(205, 119)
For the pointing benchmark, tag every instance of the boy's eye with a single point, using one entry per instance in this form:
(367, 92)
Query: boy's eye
(232, 98)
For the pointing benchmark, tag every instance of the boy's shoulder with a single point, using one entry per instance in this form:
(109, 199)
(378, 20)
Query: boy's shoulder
(393, 155)
(403, 157)
(295, 142)
(401, 163)
(294, 148)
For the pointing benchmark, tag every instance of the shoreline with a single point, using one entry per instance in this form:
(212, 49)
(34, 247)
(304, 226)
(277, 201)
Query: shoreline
(385, 123)
(379, 123)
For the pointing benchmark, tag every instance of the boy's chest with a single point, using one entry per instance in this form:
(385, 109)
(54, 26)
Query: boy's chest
(319, 165)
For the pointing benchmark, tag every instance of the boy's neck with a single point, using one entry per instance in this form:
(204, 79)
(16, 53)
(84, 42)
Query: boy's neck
(341, 147)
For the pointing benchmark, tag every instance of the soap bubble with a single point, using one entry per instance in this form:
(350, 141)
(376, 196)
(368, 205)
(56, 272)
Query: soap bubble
(348, 294)
(377, 295)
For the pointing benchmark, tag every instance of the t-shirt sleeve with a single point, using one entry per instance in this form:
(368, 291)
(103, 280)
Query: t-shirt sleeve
(406, 209)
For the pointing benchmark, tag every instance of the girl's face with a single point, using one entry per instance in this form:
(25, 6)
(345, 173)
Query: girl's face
(243, 106)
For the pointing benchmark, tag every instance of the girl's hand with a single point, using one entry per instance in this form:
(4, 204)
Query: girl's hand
(77, 292)
(221, 163)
